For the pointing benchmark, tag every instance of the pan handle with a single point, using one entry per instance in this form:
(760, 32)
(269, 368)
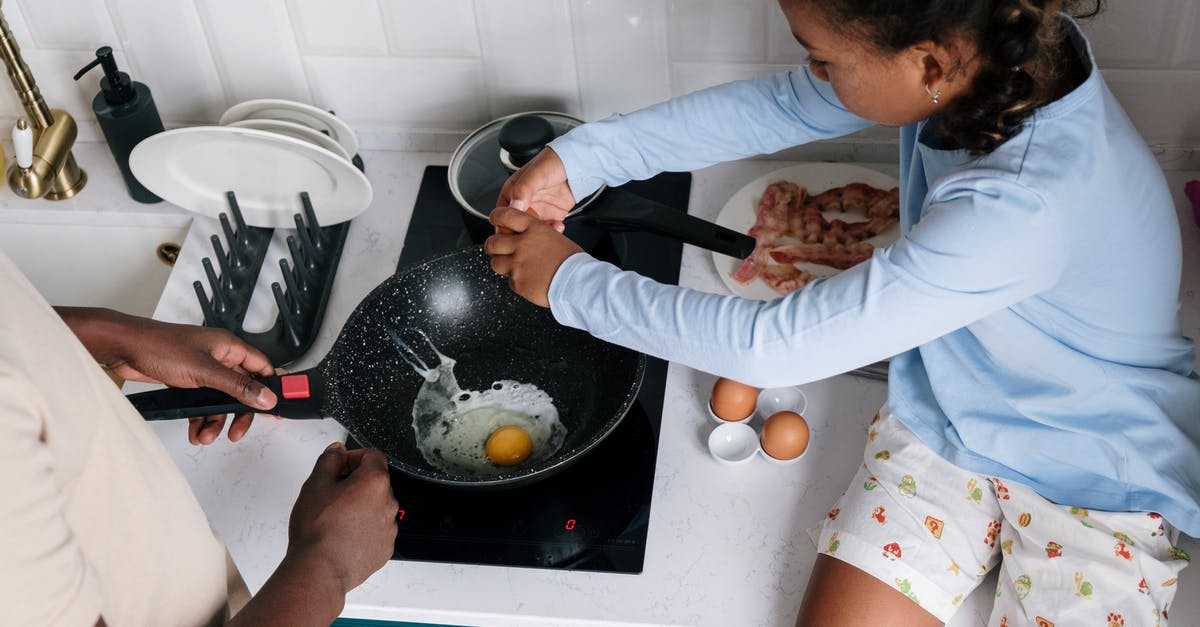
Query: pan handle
(299, 394)
(622, 210)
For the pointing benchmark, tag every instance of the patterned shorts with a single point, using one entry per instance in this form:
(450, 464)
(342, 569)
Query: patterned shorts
(933, 531)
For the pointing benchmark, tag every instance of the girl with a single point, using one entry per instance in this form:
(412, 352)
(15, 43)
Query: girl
(1043, 414)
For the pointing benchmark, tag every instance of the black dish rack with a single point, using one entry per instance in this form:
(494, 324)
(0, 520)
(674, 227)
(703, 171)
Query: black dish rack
(315, 252)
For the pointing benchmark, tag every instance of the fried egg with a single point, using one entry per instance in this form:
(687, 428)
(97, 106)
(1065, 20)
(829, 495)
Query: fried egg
(452, 425)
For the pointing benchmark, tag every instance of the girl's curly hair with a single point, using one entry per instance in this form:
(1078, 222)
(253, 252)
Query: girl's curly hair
(1008, 34)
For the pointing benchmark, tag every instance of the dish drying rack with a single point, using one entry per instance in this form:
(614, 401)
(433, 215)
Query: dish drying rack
(315, 252)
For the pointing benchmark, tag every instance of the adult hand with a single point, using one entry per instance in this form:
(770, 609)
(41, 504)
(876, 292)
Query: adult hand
(529, 254)
(344, 520)
(342, 529)
(178, 355)
(540, 185)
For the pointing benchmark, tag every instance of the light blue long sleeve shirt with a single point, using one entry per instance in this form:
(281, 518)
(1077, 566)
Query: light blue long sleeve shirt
(1030, 307)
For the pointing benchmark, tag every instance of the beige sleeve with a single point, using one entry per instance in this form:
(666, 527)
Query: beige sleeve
(45, 579)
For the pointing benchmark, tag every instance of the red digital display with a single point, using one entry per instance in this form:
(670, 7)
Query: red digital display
(399, 514)
(570, 525)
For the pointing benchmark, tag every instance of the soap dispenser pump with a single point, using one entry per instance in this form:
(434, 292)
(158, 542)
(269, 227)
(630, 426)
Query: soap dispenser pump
(127, 115)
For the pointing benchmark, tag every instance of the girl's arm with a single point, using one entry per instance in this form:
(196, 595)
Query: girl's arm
(721, 123)
(981, 248)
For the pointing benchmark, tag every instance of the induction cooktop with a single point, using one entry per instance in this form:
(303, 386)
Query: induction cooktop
(592, 515)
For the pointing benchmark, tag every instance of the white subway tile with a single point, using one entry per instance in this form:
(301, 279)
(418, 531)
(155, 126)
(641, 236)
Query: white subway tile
(1134, 34)
(341, 27)
(1161, 103)
(168, 51)
(17, 24)
(255, 49)
(782, 46)
(401, 93)
(621, 52)
(70, 24)
(422, 28)
(689, 77)
(530, 57)
(731, 31)
(1188, 47)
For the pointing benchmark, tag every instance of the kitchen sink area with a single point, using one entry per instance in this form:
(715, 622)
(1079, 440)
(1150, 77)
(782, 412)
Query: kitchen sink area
(99, 249)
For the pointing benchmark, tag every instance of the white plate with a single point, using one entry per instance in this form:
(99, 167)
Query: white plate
(194, 167)
(741, 212)
(292, 111)
(293, 129)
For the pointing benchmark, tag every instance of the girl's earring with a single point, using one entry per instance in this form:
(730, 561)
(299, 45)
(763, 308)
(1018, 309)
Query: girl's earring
(935, 94)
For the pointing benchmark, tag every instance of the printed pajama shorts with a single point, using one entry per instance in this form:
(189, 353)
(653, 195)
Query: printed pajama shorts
(933, 531)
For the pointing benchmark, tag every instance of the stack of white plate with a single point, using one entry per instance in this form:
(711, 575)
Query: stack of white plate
(264, 151)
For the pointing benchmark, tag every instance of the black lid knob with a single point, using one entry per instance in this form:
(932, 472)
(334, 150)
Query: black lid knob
(117, 87)
(524, 136)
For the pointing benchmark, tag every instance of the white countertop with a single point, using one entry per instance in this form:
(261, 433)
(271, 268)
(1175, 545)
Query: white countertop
(726, 546)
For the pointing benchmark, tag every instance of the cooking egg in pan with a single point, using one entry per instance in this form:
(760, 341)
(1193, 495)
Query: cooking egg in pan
(486, 432)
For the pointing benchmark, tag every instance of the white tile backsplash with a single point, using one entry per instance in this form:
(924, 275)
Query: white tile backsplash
(68, 24)
(450, 65)
(1188, 47)
(1165, 101)
(529, 55)
(444, 28)
(339, 26)
(402, 93)
(168, 50)
(1135, 34)
(255, 49)
(618, 77)
(782, 46)
(729, 31)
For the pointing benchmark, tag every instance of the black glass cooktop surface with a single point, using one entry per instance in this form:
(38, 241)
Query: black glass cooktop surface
(593, 514)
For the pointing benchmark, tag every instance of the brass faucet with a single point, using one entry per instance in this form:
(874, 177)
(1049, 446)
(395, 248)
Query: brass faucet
(52, 172)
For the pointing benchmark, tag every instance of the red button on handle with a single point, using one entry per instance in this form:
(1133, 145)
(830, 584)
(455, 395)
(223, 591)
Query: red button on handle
(294, 386)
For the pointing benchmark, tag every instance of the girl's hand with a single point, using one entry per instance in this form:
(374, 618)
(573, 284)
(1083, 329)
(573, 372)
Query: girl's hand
(540, 185)
(529, 255)
(178, 355)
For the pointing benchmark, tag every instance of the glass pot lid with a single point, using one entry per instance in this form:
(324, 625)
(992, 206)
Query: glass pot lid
(487, 157)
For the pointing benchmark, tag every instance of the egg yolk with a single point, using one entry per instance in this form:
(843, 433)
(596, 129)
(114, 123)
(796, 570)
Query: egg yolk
(509, 446)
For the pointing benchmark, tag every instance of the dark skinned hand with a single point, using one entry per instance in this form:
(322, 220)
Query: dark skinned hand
(529, 255)
(178, 355)
(345, 517)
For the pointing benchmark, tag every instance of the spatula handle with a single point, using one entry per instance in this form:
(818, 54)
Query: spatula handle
(300, 395)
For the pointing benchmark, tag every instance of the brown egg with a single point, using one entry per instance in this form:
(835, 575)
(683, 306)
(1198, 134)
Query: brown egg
(784, 435)
(731, 400)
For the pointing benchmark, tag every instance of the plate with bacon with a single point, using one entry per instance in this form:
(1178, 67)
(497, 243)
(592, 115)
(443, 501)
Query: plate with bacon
(810, 221)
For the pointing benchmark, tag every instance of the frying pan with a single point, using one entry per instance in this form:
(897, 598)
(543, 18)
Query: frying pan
(487, 157)
(471, 315)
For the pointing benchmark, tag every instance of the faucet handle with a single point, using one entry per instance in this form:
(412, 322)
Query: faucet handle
(22, 137)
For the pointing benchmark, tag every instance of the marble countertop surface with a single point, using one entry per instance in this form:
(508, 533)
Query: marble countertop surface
(727, 544)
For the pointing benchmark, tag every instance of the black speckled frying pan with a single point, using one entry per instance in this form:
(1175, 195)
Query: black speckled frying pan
(470, 315)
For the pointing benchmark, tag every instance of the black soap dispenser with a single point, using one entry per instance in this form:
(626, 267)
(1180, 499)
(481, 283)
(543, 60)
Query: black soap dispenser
(127, 115)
